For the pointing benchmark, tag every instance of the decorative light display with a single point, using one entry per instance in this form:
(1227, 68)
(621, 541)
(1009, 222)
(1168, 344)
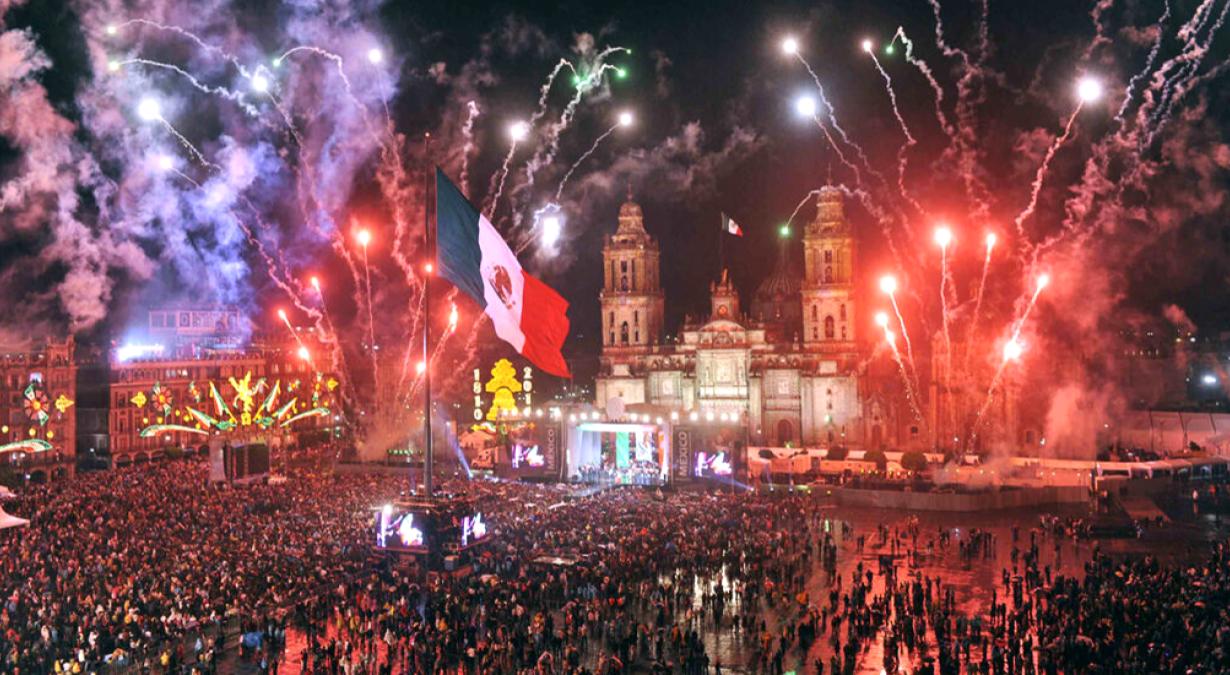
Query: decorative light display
(502, 385)
(37, 404)
(247, 403)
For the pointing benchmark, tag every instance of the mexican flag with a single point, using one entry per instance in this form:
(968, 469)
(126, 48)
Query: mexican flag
(527, 313)
(731, 227)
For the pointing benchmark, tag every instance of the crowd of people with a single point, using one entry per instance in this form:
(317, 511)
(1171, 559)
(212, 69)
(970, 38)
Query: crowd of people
(153, 569)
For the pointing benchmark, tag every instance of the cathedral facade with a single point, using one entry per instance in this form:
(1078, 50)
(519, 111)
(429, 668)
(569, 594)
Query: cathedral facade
(794, 369)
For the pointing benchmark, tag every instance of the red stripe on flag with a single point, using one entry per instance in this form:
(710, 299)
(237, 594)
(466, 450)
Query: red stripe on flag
(544, 322)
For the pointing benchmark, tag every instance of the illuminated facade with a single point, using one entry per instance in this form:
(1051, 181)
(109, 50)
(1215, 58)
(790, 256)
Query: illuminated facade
(793, 370)
(158, 383)
(38, 392)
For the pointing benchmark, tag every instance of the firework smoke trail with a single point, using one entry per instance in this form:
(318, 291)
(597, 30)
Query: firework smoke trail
(831, 113)
(1040, 176)
(905, 334)
(185, 33)
(982, 284)
(964, 146)
(902, 154)
(489, 203)
(572, 169)
(545, 154)
(1162, 82)
(295, 334)
(467, 131)
(1175, 88)
(795, 213)
(911, 396)
(1153, 52)
(371, 325)
(1099, 37)
(944, 282)
(841, 156)
(1013, 340)
(236, 97)
(187, 145)
(545, 91)
(923, 68)
(496, 186)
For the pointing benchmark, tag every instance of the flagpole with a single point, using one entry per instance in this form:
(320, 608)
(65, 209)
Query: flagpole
(430, 270)
(721, 248)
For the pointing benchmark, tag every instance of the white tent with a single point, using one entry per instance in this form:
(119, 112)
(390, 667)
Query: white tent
(8, 520)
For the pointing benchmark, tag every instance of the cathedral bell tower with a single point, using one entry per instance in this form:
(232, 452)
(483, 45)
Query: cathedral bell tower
(631, 293)
(828, 280)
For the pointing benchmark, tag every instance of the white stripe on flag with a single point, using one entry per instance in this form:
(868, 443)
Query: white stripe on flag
(502, 284)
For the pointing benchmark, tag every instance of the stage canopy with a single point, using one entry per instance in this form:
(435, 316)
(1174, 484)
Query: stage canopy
(8, 520)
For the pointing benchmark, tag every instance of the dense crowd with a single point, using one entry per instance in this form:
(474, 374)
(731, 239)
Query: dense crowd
(152, 566)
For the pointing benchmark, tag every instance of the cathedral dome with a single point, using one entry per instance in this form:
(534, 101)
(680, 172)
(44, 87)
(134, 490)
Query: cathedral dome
(778, 298)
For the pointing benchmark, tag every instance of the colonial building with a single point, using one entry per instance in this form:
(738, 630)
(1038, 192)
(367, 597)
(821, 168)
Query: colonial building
(38, 424)
(794, 369)
(200, 351)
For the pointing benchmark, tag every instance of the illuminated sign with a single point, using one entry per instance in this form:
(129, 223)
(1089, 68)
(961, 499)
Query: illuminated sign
(472, 529)
(530, 456)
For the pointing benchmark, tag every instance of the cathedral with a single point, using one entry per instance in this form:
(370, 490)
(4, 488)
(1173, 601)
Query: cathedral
(794, 369)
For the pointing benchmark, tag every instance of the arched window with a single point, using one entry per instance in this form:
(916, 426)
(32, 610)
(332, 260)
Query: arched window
(843, 332)
(611, 319)
(634, 286)
(828, 257)
(843, 312)
(828, 274)
(785, 432)
(815, 313)
(830, 328)
(815, 333)
(623, 283)
(636, 337)
(623, 333)
(636, 318)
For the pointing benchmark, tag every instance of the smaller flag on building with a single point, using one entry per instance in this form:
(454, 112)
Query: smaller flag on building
(730, 226)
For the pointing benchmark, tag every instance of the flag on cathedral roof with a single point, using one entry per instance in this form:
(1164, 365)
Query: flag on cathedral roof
(729, 226)
(527, 314)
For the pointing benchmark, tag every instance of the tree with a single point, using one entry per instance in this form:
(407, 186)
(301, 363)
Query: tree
(877, 456)
(837, 453)
(914, 460)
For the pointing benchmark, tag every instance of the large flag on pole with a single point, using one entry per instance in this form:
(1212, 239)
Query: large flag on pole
(527, 313)
(730, 226)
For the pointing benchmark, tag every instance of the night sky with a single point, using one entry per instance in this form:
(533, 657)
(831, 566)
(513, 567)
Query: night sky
(716, 131)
